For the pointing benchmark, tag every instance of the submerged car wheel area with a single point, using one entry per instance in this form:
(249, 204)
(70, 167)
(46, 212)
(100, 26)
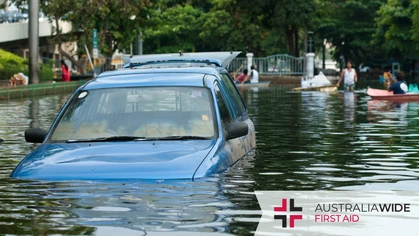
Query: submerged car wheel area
(144, 123)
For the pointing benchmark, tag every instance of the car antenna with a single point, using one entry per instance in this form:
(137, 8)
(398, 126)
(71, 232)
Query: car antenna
(130, 62)
(180, 53)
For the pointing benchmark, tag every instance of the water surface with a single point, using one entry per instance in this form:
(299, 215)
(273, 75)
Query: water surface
(305, 140)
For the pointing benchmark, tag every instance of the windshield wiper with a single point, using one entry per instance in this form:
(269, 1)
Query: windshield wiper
(135, 138)
(106, 139)
(183, 138)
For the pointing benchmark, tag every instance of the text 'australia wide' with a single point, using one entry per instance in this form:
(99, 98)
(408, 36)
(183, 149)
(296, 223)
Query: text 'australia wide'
(369, 207)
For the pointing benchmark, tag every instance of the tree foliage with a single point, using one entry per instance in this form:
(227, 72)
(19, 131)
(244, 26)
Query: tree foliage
(359, 30)
(394, 28)
(348, 26)
(291, 17)
(262, 26)
(172, 29)
(117, 22)
(233, 25)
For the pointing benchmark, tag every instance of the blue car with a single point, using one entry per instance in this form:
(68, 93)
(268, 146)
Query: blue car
(173, 118)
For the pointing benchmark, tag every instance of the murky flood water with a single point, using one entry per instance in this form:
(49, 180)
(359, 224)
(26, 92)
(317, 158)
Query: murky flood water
(306, 141)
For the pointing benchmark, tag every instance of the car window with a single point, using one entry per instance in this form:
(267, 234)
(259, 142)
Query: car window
(225, 113)
(143, 112)
(238, 103)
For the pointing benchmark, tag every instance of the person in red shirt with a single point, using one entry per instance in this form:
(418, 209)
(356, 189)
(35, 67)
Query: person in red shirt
(241, 79)
(65, 73)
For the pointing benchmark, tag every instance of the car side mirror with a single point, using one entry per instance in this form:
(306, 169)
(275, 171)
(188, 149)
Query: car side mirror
(236, 130)
(35, 135)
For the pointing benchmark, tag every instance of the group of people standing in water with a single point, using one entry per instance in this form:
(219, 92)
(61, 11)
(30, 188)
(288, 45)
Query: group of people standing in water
(396, 84)
(350, 78)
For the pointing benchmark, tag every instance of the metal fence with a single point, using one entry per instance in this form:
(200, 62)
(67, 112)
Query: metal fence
(99, 65)
(280, 64)
(237, 65)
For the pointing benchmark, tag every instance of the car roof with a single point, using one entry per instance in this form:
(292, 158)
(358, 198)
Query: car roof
(221, 59)
(185, 76)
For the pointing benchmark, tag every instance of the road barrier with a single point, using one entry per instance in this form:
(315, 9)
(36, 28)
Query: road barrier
(31, 90)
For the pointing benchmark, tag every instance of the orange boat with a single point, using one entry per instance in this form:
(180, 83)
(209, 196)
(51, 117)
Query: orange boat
(380, 94)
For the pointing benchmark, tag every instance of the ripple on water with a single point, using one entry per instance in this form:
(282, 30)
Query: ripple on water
(322, 169)
(305, 141)
(110, 209)
(271, 173)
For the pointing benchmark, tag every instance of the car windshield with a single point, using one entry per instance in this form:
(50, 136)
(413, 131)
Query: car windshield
(167, 113)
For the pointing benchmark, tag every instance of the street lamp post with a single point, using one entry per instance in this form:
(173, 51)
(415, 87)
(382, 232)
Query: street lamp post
(324, 53)
(34, 41)
(310, 41)
(140, 36)
(310, 59)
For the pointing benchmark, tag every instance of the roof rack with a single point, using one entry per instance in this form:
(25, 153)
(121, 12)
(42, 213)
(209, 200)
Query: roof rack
(220, 59)
(174, 62)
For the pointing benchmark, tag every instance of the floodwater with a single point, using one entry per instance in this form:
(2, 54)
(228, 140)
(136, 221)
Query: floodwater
(305, 141)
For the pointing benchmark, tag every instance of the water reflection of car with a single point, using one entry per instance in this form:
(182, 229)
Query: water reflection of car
(178, 121)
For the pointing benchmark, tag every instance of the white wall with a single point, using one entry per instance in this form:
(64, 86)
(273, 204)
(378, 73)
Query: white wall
(19, 31)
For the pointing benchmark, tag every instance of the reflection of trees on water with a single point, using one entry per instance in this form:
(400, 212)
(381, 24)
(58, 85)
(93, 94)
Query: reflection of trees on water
(307, 140)
(250, 97)
(316, 116)
(285, 123)
(399, 112)
(397, 119)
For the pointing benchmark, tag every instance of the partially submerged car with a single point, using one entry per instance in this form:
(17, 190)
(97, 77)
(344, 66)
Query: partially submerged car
(167, 119)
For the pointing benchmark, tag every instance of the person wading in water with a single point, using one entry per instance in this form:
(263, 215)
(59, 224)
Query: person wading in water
(350, 77)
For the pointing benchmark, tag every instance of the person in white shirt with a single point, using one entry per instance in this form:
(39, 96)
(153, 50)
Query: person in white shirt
(350, 77)
(253, 77)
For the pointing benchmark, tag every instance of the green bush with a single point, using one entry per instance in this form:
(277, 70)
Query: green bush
(46, 73)
(11, 64)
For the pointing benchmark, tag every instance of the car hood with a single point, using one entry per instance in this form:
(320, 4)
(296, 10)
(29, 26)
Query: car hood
(122, 160)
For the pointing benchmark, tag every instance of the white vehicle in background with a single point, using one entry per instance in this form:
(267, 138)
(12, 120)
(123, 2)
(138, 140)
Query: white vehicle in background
(365, 68)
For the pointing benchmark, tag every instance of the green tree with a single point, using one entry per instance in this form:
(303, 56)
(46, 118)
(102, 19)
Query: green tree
(262, 26)
(395, 28)
(118, 22)
(415, 20)
(293, 17)
(348, 26)
(233, 25)
(172, 29)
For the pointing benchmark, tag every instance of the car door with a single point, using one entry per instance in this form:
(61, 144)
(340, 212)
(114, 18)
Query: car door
(241, 113)
(234, 148)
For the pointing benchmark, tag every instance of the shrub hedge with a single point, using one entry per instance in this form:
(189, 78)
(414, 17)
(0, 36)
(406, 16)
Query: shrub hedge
(11, 64)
